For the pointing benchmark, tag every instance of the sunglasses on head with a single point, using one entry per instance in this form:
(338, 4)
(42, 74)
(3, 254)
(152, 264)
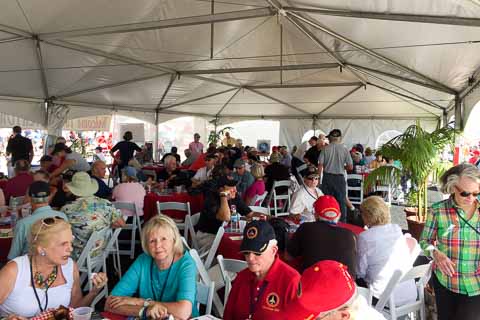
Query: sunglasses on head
(47, 222)
(467, 194)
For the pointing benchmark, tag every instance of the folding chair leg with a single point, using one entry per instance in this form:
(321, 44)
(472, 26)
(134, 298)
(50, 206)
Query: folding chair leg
(134, 238)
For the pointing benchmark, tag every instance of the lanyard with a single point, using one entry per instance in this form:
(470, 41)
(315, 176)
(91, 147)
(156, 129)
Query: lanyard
(311, 195)
(466, 221)
(164, 284)
(35, 290)
(254, 300)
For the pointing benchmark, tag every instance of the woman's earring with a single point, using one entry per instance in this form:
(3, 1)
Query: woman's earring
(43, 253)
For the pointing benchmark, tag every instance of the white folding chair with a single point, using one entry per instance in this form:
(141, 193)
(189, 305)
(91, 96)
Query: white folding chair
(386, 193)
(261, 210)
(355, 194)
(177, 206)
(299, 173)
(133, 226)
(205, 279)
(93, 260)
(213, 249)
(421, 275)
(276, 197)
(229, 269)
(114, 250)
(190, 223)
(413, 247)
(258, 199)
(204, 296)
(366, 293)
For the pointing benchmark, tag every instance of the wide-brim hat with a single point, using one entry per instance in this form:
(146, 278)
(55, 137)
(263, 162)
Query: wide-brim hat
(82, 185)
(324, 287)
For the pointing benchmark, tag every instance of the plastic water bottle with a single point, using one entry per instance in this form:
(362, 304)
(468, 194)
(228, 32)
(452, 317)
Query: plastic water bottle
(235, 219)
(13, 214)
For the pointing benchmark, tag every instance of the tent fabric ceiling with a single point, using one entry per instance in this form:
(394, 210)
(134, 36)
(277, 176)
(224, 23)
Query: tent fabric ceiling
(339, 59)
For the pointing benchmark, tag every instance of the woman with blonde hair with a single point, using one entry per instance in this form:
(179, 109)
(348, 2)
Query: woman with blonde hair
(46, 277)
(258, 187)
(381, 250)
(163, 277)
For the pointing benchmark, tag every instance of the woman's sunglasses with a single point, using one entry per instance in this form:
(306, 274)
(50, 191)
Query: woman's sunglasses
(467, 194)
(47, 222)
(313, 178)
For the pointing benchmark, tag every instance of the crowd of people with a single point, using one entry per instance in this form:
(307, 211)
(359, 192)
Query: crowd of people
(70, 199)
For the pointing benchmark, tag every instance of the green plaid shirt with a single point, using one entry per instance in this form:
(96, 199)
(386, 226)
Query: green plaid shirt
(458, 241)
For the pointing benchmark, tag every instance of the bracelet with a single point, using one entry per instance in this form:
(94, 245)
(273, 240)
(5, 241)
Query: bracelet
(223, 194)
(140, 313)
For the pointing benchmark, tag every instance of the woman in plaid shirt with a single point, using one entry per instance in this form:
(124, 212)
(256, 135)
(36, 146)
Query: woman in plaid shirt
(452, 238)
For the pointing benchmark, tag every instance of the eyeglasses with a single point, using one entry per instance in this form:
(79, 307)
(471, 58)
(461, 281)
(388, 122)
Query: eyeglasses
(466, 194)
(313, 178)
(47, 222)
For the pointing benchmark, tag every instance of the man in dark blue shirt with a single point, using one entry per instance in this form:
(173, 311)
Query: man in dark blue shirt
(99, 169)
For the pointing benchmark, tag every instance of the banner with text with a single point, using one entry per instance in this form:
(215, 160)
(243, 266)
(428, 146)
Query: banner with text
(9, 121)
(98, 123)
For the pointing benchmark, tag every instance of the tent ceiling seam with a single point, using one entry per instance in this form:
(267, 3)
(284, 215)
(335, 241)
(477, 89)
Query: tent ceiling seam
(196, 99)
(167, 89)
(277, 100)
(340, 99)
(227, 102)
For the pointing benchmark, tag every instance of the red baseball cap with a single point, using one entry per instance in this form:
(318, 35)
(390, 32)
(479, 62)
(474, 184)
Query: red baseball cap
(325, 286)
(327, 208)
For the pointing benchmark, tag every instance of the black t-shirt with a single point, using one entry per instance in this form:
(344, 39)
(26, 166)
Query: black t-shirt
(312, 155)
(276, 172)
(208, 222)
(126, 148)
(164, 175)
(316, 241)
(20, 148)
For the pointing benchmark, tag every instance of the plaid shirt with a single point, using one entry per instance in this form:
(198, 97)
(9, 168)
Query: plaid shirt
(455, 238)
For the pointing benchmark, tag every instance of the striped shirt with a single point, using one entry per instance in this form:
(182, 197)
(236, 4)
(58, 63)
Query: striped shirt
(455, 238)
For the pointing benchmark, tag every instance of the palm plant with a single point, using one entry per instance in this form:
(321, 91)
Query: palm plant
(418, 151)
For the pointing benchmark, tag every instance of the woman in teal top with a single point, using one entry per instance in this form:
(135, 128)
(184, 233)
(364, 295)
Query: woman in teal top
(163, 278)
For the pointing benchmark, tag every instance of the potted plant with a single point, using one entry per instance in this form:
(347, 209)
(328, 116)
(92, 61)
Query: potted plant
(418, 152)
(214, 136)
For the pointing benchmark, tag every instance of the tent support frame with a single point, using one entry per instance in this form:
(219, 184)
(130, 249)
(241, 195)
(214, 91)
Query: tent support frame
(227, 102)
(157, 115)
(196, 99)
(277, 100)
(43, 75)
(340, 99)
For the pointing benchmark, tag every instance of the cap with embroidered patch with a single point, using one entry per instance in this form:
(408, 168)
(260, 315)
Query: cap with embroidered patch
(256, 236)
(324, 287)
(39, 191)
(327, 209)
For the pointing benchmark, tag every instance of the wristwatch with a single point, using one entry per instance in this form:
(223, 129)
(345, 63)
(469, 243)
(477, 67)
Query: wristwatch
(224, 194)
(147, 302)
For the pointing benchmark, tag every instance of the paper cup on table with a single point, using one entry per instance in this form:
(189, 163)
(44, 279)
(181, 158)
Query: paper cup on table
(82, 313)
(178, 189)
(243, 223)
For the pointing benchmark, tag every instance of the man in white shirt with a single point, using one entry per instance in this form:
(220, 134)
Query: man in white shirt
(204, 173)
(328, 292)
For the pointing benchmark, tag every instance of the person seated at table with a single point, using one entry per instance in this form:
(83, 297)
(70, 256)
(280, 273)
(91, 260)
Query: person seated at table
(46, 163)
(204, 173)
(305, 196)
(39, 195)
(268, 285)
(369, 157)
(88, 213)
(46, 277)
(328, 292)
(63, 195)
(381, 250)
(357, 160)
(169, 172)
(163, 277)
(275, 171)
(44, 176)
(244, 178)
(99, 169)
(378, 162)
(73, 160)
(18, 185)
(323, 239)
(173, 152)
(189, 158)
(258, 186)
(126, 149)
(286, 157)
(218, 208)
(130, 191)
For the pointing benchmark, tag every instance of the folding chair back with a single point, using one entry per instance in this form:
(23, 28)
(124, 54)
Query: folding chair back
(213, 249)
(176, 206)
(355, 193)
(283, 198)
(135, 224)
(258, 199)
(190, 223)
(261, 210)
(204, 296)
(366, 293)
(229, 269)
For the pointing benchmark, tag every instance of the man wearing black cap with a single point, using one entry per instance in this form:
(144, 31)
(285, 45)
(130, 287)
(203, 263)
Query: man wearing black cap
(39, 192)
(263, 290)
(333, 162)
(218, 208)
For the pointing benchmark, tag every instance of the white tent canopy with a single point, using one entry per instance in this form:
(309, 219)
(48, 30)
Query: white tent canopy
(321, 61)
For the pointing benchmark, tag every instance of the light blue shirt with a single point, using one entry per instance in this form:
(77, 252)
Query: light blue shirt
(244, 181)
(22, 230)
(181, 282)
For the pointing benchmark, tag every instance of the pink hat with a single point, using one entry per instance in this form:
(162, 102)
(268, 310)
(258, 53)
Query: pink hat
(327, 209)
(324, 287)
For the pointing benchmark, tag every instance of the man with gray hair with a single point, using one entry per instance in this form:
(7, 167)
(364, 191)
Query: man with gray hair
(39, 193)
(333, 162)
(268, 284)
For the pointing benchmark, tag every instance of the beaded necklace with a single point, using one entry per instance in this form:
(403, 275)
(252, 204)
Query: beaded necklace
(45, 282)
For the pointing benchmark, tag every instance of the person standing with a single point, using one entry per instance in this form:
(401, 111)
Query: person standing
(19, 147)
(126, 148)
(451, 236)
(228, 140)
(196, 147)
(333, 162)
